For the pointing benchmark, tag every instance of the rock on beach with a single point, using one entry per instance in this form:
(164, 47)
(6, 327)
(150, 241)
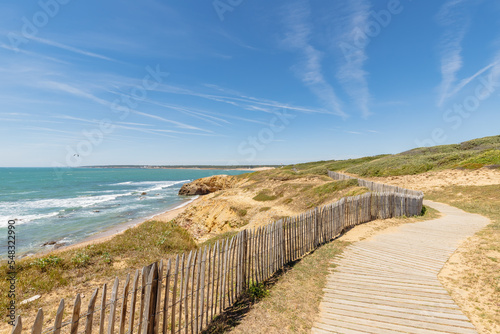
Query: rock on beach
(207, 185)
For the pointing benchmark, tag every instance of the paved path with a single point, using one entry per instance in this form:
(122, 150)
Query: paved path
(389, 284)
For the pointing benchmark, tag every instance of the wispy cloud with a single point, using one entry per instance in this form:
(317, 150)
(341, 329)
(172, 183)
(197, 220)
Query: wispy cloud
(70, 48)
(351, 73)
(453, 17)
(240, 100)
(236, 40)
(495, 71)
(27, 120)
(48, 130)
(84, 94)
(466, 81)
(63, 87)
(309, 69)
(203, 115)
(166, 120)
(140, 127)
(32, 54)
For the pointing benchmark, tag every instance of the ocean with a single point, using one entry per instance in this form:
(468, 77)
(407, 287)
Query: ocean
(67, 208)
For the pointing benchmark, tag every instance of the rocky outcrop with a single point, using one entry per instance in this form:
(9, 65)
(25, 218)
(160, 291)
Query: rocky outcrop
(208, 185)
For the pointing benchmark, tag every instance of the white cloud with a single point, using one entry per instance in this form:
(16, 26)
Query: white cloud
(63, 87)
(309, 69)
(455, 20)
(466, 81)
(351, 73)
(81, 93)
(32, 54)
(70, 48)
(240, 100)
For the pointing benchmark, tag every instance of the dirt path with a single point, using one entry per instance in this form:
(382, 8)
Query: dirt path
(389, 283)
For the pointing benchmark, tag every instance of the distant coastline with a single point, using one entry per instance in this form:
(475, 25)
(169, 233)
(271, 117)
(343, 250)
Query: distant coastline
(200, 167)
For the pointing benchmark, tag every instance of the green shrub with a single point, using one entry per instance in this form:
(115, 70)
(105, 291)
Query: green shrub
(80, 260)
(219, 237)
(334, 186)
(45, 262)
(424, 210)
(106, 257)
(257, 291)
(491, 157)
(174, 238)
(239, 212)
(265, 196)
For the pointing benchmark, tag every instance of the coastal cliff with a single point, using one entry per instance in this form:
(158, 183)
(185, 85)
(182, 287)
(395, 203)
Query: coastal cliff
(245, 201)
(208, 185)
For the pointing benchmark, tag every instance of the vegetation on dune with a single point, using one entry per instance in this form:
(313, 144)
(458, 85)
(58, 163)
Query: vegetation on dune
(264, 196)
(219, 237)
(471, 154)
(300, 190)
(488, 158)
(320, 168)
(330, 187)
(239, 212)
(323, 194)
(134, 248)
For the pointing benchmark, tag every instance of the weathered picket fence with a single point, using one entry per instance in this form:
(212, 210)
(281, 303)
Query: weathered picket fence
(184, 295)
(374, 186)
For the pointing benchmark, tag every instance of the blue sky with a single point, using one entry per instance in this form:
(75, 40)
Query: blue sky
(242, 82)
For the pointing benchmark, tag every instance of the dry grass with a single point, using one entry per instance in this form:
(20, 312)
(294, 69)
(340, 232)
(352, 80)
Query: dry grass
(65, 273)
(473, 273)
(261, 198)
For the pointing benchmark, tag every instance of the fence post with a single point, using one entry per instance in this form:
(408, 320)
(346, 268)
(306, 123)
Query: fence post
(150, 299)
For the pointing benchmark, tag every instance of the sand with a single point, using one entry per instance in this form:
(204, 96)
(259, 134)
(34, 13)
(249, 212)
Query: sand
(435, 180)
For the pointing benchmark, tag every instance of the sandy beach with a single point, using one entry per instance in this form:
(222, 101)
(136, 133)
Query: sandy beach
(119, 229)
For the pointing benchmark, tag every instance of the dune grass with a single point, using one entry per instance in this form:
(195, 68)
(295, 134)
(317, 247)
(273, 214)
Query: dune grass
(134, 248)
(264, 196)
(471, 154)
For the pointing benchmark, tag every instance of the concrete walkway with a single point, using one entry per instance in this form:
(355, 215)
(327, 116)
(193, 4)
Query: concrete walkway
(388, 284)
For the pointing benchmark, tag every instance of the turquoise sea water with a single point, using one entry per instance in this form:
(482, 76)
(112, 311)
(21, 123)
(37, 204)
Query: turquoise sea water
(72, 206)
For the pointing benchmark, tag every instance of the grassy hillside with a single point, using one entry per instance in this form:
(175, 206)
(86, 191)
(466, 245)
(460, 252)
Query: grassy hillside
(471, 154)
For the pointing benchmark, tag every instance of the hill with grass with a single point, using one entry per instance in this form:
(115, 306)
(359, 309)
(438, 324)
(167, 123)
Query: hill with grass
(472, 154)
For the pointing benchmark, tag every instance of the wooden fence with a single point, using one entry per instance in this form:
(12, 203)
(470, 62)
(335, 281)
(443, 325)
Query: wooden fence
(376, 187)
(184, 295)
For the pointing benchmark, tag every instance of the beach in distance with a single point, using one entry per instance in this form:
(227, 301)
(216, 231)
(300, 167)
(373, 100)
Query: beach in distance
(88, 204)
